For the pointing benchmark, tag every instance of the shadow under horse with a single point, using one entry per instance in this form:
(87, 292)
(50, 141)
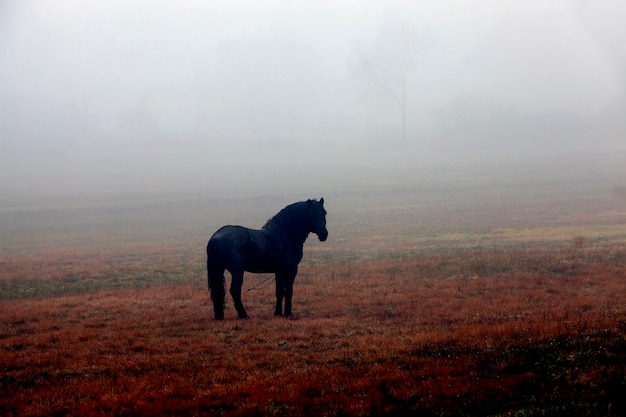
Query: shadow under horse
(276, 248)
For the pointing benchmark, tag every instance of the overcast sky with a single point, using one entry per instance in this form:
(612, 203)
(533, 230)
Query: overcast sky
(128, 95)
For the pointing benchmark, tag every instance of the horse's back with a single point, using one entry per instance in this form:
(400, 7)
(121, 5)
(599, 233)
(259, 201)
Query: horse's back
(228, 238)
(242, 248)
(232, 246)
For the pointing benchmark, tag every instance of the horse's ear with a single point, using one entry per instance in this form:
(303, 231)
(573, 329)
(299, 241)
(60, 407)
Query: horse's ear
(322, 201)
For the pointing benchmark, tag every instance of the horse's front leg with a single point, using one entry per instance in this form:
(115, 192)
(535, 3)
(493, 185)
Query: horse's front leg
(235, 292)
(288, 285)
(280, 294)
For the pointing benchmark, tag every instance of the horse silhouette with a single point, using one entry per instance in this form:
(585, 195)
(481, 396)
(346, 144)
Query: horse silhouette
(275, 248)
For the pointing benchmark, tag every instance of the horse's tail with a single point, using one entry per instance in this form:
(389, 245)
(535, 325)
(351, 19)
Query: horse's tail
(215, 279)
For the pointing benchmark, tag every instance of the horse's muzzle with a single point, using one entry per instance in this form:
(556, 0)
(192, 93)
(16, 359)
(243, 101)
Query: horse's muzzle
(323, 235)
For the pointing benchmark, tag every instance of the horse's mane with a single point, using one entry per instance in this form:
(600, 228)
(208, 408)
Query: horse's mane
(290, 220)
(286, 216)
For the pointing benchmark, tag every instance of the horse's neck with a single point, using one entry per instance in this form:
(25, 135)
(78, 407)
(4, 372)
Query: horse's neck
(285, 224)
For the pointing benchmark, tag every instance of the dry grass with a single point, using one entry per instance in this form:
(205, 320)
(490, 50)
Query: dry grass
(488, 296)
(470, 333)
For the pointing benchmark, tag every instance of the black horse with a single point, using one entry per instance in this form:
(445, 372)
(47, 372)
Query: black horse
(275, 248)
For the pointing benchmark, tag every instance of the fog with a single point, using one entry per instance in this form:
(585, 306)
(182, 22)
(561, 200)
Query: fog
(106, 96)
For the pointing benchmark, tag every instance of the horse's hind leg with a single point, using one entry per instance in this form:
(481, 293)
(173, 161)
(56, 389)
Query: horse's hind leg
(235, 292)
(216, 288)
(217, 296)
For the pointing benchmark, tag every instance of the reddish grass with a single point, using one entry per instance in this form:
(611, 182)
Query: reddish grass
(470, 333)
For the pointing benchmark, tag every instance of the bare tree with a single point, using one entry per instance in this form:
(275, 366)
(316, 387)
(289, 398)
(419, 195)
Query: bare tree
(392, 56)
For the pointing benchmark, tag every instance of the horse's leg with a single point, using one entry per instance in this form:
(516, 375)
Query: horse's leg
(216, 288)
(235, 292)
(288, 284)
(217, 296)
(280, 294)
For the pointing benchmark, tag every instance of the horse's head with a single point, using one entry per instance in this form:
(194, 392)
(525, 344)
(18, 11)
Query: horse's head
(317, 214)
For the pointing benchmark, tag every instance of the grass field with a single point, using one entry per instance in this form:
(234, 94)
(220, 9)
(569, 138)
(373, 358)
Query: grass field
(483, 295)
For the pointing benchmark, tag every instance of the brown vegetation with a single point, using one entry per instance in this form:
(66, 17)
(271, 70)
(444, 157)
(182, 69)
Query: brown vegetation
(472, 333)
(470, 297)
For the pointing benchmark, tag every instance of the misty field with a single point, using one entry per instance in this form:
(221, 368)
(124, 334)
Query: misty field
(481, 296)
